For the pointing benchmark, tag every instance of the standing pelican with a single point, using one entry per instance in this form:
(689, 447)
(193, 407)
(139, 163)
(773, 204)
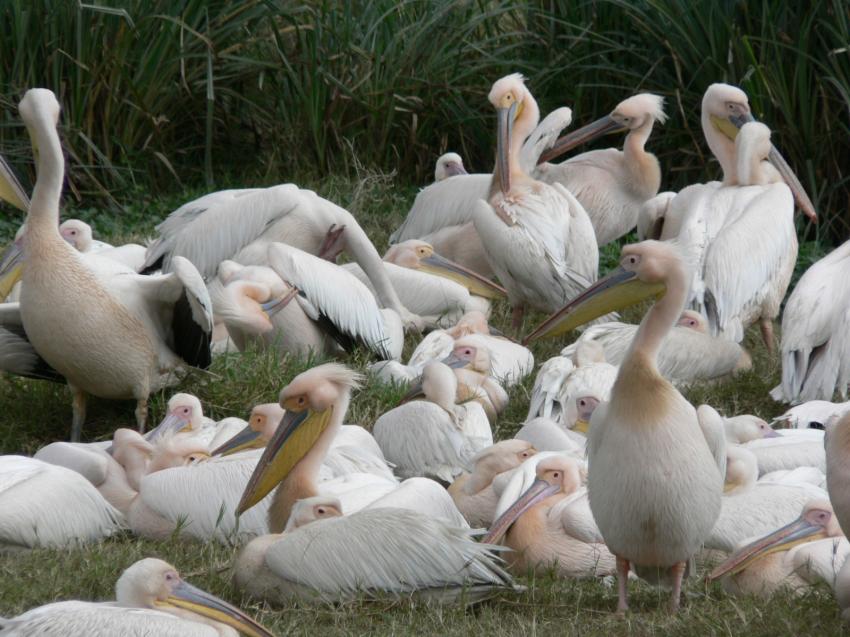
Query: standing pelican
(109, 336)
(150, 599)
(816, 332)
(611, 184)
(749, 216)
(538, 239)
(655, 463)
(838, 486)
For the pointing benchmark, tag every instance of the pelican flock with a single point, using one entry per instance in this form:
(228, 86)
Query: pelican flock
(470, 472)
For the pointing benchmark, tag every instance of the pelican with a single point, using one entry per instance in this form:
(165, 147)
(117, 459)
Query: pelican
(49, 506)
(795, 557)
(474, 492)
(611, 184)
(509, 362)
(550, 523)
(547, 435)
(324, 555)
(435, 437)
(746, 427)
(749, 215)
(448, 165)
(184, 413)
(241, 224)
(150, 599)
(688, 354)
(109, 336)
(79, 234)
(813, 414)
(655, 463)
(537, 237)
(815, 325)
(755, 507)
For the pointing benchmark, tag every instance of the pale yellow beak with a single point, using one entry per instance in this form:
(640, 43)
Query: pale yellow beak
(536, 493)
(11, 190)
(472, 281)
(246, 439)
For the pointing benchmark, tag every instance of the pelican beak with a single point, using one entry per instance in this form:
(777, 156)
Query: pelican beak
(171, 424)
(503, 145)
(270, 308)
(207, 605)
(454, 169)
(537, 492)
(798, 532)
(619, 289)
(245, 439)
(730, 127)
(581, 136)
(581, 426)
(414, 391)
(11, 190)
(772, 433)
(295, 436)
(11, 262)
(472, 281)
(455, 362)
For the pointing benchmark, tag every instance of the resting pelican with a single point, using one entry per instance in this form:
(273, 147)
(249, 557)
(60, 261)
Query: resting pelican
(435, 437)
(45, 505)
(474, 492)
(746, 427)
(538, 239)
(656, 464)
(688, 354)
(109, 336)
(184, 413)
(150, 599)
(815, 328)
(448, 165)
(79, 234)
(809, 550)
(611, 184)
(749, 216)
(550, 523)
(240, 224)
(755, 507)
(325, 556)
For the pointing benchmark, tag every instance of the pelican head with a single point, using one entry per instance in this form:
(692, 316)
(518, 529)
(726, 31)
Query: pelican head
(449, 165)
(419, 255)
(307, 510)
(579, 412)
(644, 271)
(643, 109)
(315, 402)
(554, 475)
(184, 413)
(512, 100)
(262, 424)
(693, 321)
(816, 522)
(726, 109)
(470, 355)
(76, 232)
(152, 583)
(744, 428)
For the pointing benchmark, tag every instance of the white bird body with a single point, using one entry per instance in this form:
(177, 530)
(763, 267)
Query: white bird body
(816, 332)
(789, 451)
(547, 435)
(813, 412)
(424, 496)
(49, 506)
(510, 362)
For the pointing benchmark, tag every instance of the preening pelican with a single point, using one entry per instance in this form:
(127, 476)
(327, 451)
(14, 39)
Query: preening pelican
(611, 184)
(448, 165)
(655, 463)
(688, 353)
(749, 216)
(538, 239)
(809, 550)
(325, 556)
(474, 492)
(435, 437)
(110, 336)
(241, 224)
(550, 522)
(816, 332)
(45, 505)
(150, 599)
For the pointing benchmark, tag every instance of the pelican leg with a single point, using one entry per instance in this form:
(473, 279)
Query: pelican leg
(622, 585)
(516, 317)
(677, 572)
(78, 409)
(332, 244)
(141, 414)
(766, 325)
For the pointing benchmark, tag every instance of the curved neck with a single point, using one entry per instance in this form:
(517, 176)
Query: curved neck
(634, 145)
(44, 206)
(722, 148)
(660, 319)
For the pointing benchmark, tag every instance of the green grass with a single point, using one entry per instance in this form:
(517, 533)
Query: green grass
(35, 413)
